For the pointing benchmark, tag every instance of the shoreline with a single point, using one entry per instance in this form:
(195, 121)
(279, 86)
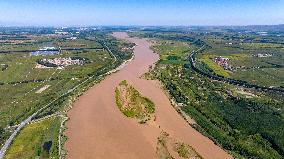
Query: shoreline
(97, 129)
(63, 116)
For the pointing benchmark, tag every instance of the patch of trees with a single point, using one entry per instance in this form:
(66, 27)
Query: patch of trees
(3, 136)
(45, 63)
(33, 80)
(172, 57)
(115, 47)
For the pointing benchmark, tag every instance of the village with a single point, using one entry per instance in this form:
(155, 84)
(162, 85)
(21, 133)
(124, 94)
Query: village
(59, 62)
(223, 61)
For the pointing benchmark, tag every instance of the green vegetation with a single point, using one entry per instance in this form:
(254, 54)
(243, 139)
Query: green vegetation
(253, 58)
(248, 123)
(169, 148)
(162, 149)
(171, 50)
(241, 46)
(38, 139)
(132, 104)
(244, 126)
(215, 67)
(22, 84)
(182, 150)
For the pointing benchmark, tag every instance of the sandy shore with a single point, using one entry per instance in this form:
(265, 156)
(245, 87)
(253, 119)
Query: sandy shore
(97, 129)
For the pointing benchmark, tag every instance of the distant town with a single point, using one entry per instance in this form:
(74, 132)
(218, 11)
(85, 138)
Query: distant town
(59, 62)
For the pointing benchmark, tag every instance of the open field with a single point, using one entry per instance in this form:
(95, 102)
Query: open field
(38, 139)
(247, 50)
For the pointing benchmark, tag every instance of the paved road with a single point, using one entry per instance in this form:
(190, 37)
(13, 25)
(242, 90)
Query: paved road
(14, 134)
(29, 119)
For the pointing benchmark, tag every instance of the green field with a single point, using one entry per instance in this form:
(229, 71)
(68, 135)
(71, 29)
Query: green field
(207, 59)
(38, 139)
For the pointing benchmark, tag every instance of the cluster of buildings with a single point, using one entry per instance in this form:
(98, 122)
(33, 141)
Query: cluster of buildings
(59, 62)
(222, 61)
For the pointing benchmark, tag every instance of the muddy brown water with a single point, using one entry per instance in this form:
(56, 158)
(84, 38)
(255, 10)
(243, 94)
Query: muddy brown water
(97, 129)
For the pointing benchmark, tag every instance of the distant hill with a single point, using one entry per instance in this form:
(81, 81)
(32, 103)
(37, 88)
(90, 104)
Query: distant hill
(267, 28)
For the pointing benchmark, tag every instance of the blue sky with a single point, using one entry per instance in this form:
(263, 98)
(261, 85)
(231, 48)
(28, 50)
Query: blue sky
(140, 12)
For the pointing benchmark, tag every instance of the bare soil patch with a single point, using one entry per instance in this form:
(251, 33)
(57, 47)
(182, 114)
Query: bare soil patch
(43, 88)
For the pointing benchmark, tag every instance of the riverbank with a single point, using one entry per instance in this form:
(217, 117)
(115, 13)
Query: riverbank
(97, 129)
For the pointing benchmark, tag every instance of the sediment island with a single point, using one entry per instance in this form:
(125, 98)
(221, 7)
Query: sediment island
(97, 129)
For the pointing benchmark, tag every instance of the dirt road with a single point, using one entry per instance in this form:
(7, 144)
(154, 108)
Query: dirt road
(97, 129)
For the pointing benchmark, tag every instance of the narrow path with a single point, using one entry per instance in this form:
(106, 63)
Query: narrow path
(97, 129)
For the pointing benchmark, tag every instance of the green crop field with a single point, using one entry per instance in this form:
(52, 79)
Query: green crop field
(208, 60)
(39, 139)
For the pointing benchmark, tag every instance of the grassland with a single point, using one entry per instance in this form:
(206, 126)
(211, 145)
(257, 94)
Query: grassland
(132, 104)
(37, 140)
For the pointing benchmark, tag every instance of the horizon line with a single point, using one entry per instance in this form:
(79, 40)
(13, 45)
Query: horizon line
(76, 26)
